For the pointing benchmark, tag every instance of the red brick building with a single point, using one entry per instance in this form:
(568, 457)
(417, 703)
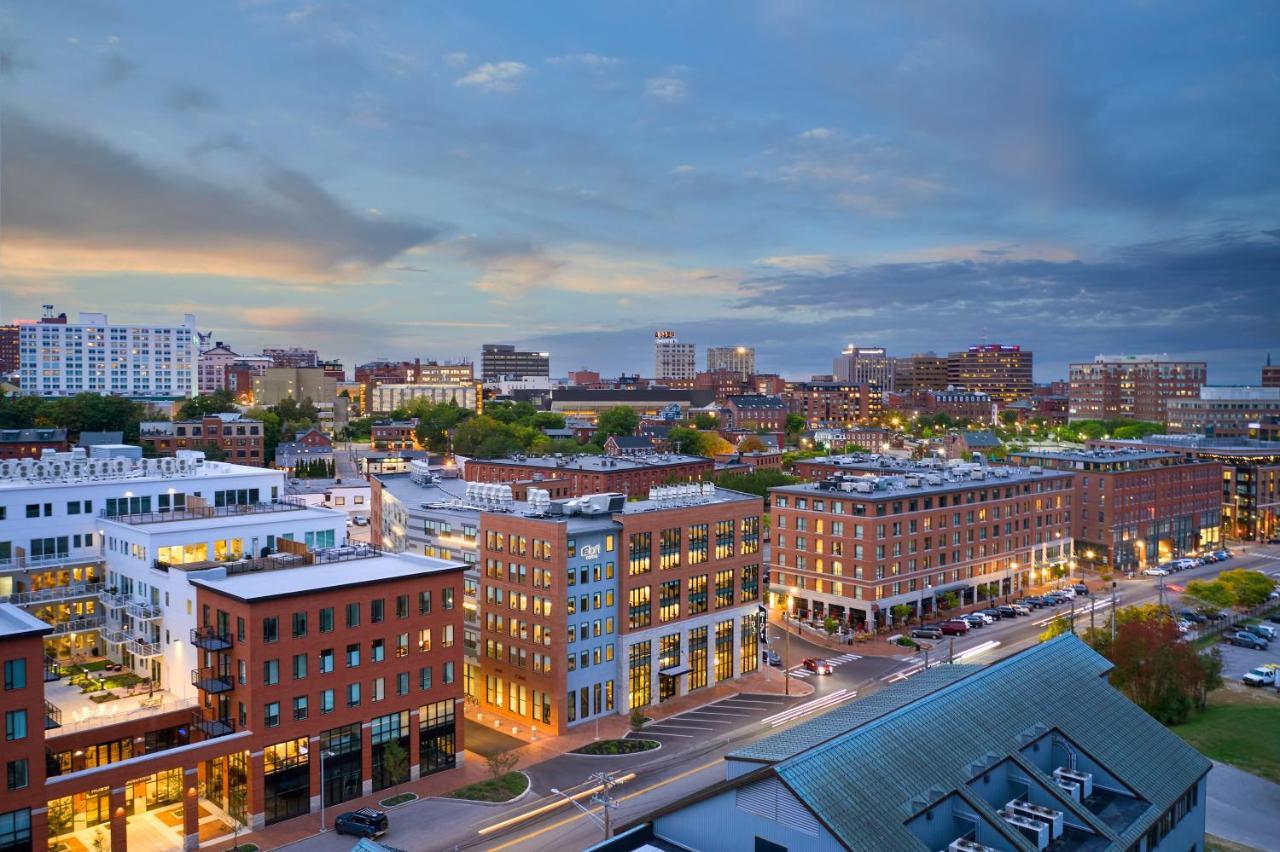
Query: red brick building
(23, 818)
(895, 533)
(30, 443)
(833, 404)
(755, 412)
(998, 369)
(1132, 387)
(632, 475)
(394, 435)
(1135, 509)
(235, 437)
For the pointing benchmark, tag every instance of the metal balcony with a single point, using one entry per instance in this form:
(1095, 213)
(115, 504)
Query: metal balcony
(210, 639)
(143, 611)
(212, 727)
(211, 680)
(114, 635)
(79, 625)
(53, 594)
(142, 649)
(113, 601)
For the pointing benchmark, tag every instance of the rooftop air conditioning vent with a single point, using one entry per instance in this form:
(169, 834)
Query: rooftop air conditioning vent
(1038, 812)
(1035, 832)
(1084, 779)
(962, 845)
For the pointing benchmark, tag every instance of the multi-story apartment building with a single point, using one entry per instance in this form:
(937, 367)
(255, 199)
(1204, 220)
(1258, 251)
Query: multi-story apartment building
(890, 532)
(293, 357)
(1137, 508)
(212, 373)
(998, 369)
(503, 360)
(1132, 387)
(95, 356)
(587, 607)
(833, 404)
(277, 384)
(9, 342)
(253, 659)
(733, 359)
(632, 474)
(862, 365)
(227, 436)
(394, 435)
(1223, 411)
(31, 443)
(920, 372)
(755, 412)
(673, 360)
(385, 398)
(954, 402)
(1250, 477)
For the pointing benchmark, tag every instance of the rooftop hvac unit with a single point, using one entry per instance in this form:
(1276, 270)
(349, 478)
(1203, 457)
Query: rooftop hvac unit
(653, 494)
(977, 474)
(863, 486)
(1001, 472)
(6, 470)
(1035, 469)
(913, 481)
(1035, 832)
(708, 489)
(1084, 779)
(506, 494)
(846, 486)
(40, 470)
(933, 479)
(962, 845)
(1070, 788)
(1038, 812)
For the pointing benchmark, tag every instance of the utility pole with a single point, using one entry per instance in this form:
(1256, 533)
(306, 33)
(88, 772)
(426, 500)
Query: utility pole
(1113, 610)
(605, 799)
(786, 657)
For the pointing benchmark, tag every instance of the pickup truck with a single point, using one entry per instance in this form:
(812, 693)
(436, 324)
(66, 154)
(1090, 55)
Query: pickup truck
(1262, 676)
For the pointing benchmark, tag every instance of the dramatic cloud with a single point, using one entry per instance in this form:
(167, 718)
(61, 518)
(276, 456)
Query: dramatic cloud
(74, 203)
(495, 76)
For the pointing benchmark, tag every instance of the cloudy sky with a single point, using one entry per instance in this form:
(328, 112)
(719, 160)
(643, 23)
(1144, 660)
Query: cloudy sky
(409, 179)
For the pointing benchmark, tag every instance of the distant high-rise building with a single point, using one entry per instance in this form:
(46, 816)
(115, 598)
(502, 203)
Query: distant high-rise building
(503, 361)
(584, 377)
(736, 359)
(1001, 370)
(1223, 411)
(673, 359)
(1270, 374)
(862, 365)
(923, 371)
(58, 358)
(1136, 387)
(9, 348)
(292, 357)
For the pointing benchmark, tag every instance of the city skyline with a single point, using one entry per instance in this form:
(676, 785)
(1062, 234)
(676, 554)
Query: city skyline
(378, 181)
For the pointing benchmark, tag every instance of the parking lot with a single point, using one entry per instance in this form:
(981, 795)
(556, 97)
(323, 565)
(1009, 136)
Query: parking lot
(1237, 661)
(717, 718)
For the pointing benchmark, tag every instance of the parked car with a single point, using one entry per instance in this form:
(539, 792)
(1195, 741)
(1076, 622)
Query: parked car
(1184, 626)
(1244, 639)
(993, 613)
(1055, 599)
(926, 633)
(954, 628)
(813, 664)
(1034, 603)
(1019, 609)
(361, 520)
(1264, 675)
(1007, 612)
(974, 621)
(1210, 558)
(1080, 589)
(1266, 631)
(774, 659)
(1275, 619)
(1068, 593)
(986, 616)
(365, 822)
(1155, 572)
(1193, 616)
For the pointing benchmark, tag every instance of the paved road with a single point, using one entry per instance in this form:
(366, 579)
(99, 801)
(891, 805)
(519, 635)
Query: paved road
(1243, 807)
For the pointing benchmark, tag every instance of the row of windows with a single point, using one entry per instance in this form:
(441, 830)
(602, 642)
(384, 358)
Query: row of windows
(639, 599)
(352, 615)
(353, 694)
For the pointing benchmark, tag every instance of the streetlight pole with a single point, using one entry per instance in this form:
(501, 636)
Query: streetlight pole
(322, 825)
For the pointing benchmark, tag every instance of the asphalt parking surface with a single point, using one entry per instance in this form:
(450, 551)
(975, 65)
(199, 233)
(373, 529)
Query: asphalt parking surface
(1236, 661)
(716, 719)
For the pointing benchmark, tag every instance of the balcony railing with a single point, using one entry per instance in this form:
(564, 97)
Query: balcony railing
(212, 727)
(52, 716)
(211, 680)
(204, 512)
(115, 635)
(143, 611)
(54, 593)
(79, 625)
(142, 648)
(113, 600)
(41, 563)
(210, 639)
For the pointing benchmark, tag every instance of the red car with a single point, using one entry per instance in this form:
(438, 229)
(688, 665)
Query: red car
(954, 628)
(817, 666)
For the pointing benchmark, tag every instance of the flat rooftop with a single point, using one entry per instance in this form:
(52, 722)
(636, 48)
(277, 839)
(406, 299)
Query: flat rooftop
(596, 464)
(1100, 455)
(1244, 446)
(895, 478)
(227, 518)
(75, 470)
(324, 576)
(15, 621)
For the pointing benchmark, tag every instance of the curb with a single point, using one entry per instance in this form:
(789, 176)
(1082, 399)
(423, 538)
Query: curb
(527, 790)
(656, 748)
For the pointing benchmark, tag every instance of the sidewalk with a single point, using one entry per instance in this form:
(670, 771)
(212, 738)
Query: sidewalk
(535, 751)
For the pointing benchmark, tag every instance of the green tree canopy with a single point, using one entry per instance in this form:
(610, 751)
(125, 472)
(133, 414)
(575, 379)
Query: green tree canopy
(1158, 672)
(435, 419)
(795, 424)
(706, 420)
(621, 420)
(757, 482)
(218, 402)
(486, 438)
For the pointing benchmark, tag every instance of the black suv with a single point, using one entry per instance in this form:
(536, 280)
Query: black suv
(365, 822)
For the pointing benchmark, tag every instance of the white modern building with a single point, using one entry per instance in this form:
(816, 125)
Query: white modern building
(673, 359)
(386, 398)
(95, 356)
(734, 359)
(102, 548)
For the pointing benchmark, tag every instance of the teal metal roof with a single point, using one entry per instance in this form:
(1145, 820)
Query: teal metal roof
(845, 717)
(866, 782)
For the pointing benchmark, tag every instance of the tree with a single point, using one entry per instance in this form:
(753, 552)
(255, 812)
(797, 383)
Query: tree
(621, 420)
(502, 763)
(830, 624)
(795, 424)
(637, 719)
(751, 444)
(950, 600)
(1248, 588)
(1060, 625)
(511, 412)
(1159, 673)
(757, 482)
(484, 437)
(1210, 594)
(901, 613)
(100, 842)
(395, 764)
(61, 817)
(706, 420)
(547, 420)
(691, 442)
(218, 402)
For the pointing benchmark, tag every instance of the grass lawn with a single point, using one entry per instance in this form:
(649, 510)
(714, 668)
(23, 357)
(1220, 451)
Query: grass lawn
(1218, 844)
(1241, 727)
(502, 789)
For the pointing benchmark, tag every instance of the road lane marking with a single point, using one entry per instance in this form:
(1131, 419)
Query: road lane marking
(553, 805)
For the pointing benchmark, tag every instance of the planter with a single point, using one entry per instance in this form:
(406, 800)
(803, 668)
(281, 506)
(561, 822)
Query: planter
(617, 748)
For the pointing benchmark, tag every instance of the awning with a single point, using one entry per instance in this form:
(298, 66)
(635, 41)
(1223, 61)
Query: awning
(675, 671)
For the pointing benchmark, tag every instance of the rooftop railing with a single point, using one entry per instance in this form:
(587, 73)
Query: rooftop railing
(205, 512)
(54, 593)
